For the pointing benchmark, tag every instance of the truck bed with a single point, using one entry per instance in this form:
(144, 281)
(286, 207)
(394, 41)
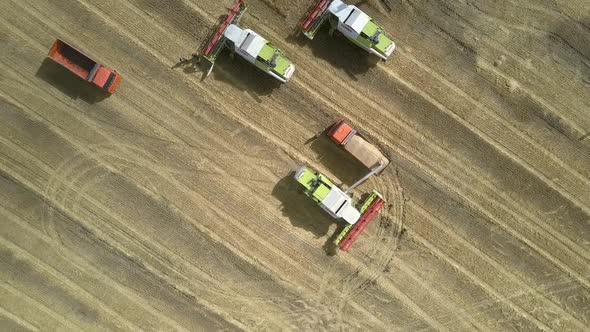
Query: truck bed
(365, 152)
(72, 59)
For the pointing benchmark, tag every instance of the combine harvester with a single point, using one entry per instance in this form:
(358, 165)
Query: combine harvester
(249, 45)
(84, 67)
(353, 23)
(340, 205)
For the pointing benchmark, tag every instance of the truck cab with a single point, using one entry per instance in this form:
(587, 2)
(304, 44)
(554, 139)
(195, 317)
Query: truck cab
(331, 198)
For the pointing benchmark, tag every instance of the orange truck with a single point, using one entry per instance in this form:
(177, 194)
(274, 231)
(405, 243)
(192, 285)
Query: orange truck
(368, 154)
(348, 138)
(84, 67)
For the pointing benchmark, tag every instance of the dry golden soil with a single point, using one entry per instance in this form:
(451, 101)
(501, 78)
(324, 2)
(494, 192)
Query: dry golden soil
(169, 205)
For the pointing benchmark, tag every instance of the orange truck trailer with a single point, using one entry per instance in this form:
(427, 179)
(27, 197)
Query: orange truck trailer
(368, 154)
(84, 67)
(348, 138)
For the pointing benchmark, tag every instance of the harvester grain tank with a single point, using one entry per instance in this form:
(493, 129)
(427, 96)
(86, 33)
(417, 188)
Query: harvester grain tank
(340, 205)
(84, 67)
(352, 22)
(248, 45)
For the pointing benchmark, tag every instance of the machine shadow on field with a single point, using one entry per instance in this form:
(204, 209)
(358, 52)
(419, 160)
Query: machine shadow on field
(70, 84)
(303, 212)
(338, 51)
(244, 76)
(234, 70)
(342, 164)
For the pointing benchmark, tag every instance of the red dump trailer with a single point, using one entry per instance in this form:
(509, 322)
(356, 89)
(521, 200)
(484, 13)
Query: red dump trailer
(368, 154)
(86, 68)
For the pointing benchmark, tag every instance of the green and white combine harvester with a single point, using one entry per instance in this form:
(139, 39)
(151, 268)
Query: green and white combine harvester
(352, 22)
(249, 45)
(337, 202)
(340, 205)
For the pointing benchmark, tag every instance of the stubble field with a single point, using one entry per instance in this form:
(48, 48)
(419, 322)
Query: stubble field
(169, 205)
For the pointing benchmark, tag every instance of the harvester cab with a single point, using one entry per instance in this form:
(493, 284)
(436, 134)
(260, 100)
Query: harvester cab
(352, 22)
(330, 198)
(248, 45)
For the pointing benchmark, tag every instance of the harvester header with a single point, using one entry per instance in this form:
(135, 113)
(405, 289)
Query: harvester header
(217, 41)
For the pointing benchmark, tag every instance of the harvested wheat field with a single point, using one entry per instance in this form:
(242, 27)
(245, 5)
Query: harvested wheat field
(170, 205)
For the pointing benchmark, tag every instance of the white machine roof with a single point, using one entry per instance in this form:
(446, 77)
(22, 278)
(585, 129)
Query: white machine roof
(339, 204)
(349, 15)
(246, 40)
(357, 20)
(340, 10)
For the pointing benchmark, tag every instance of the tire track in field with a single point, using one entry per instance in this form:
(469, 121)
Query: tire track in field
(227, 299)
(77, 194)
(387, 237)
(21, 321)
(29, 302)
(336, 290)
(570, 244)
(383, 112)
(361, 285)
(459, 165)
(23, 255)
(519, 282)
